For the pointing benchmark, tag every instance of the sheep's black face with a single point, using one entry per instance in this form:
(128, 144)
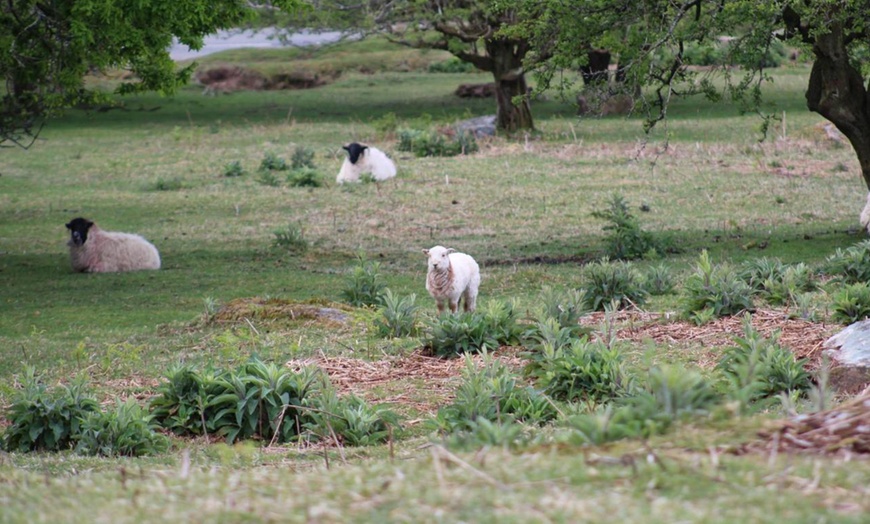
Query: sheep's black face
(354, 151)
(79, 230)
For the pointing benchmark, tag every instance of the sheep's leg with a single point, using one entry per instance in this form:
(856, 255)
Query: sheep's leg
(440, 305)
(470, 301)
(454, 305)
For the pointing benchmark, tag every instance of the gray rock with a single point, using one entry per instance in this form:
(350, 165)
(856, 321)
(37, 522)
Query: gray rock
(851, 347)
(479, 126)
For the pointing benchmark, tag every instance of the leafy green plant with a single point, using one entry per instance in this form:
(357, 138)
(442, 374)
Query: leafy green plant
(850, 266)
(776, 282)
(491, 392)
(612, 422)
(758, 367)
(304, 177)
(268, 178)
(386, 123)
(350, 419)
(180, 403)
(46, 420)
(291, 238)
(272, 162)
(489, 327)
(123, 431)
(169, 184)
(398, 316)
(234, 169)
(676, 392)
(659, 280)
(715, 291)
(626, 240)
(303, 158)
(606, 282)
(851, 303)
(583, 370)
(757, 271)
(563, 305)
(451, 65)
(433, 143)
(364, 286)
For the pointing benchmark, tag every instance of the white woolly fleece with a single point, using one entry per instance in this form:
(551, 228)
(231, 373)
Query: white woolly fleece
(373, 161)
(452, 276)
(109, 252)
(865, 214)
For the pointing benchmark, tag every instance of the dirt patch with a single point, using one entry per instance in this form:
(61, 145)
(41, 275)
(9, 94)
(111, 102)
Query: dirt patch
(276, 309)
(415, 381)
(228, 79)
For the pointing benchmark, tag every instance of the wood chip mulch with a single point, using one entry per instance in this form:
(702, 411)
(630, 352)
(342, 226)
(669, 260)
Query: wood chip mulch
(805, 339)
(841, 430)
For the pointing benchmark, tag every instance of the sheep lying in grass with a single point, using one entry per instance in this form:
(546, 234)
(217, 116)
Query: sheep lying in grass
(363, 160)
(452, 276)
(865, 214)
(93, 250)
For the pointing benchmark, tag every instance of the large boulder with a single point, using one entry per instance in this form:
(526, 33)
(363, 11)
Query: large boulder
(850, 353)
(480, 126)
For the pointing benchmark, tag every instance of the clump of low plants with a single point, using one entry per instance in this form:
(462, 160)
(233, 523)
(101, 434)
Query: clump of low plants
(851, 303)
(626, 240)
(488, 328)
(582, 370)
(233, 169)
(272, 162)
(303, 157)
(291, 238)
(659, 280)
(350, 419)
(398, 316)
(124, 431)
(364, 285)
(850, 265)
(433, 143)
(606, 282)
(714, 291)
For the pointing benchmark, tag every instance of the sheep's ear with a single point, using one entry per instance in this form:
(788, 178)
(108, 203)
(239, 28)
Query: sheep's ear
(346, 148)
(450, 250)
(426, 252)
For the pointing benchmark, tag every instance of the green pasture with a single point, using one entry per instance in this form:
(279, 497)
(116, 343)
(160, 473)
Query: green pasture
(521, 206)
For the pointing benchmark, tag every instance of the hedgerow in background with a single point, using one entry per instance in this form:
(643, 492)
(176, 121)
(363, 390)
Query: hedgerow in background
(364, 285)
(626, 240)
(433, 143)
(714, 291)
(606, 283)
(758, 367)
(43, 419)
(850, 265)
(125, 431)
(398, 316)
(851, 303)
(491, 326)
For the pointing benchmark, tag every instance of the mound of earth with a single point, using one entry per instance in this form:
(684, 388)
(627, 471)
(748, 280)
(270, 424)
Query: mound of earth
(276, 309)
(227, 79)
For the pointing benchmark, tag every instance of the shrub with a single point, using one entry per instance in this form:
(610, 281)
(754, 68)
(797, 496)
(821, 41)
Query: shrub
(852, 265)
(612, 422)
(433, 143)
(715, 291)
(303, 158)
(491, 393)
(583, 370)
(676, 392)
(180, 403)
(46, 420)
(758, 367)
(272, 162)
(268, 178)
(260, 400)
(468, 332)
(851, 303)
(659, 280)
(565, 306)
(606, 282)
(776, 282)
(398, 316)
(291, 238)
(757, 271)
(233, 169)
(350, 419)
(387, 123)
(363, 286)
(626, 240)
(304, 177)
(451, 65)
(124, 431)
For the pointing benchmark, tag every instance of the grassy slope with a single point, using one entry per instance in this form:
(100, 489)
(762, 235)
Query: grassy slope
(515, 200)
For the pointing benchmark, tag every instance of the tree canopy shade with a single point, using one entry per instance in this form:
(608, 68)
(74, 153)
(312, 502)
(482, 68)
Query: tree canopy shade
(651, 38)
(48, 46)
(469, 29)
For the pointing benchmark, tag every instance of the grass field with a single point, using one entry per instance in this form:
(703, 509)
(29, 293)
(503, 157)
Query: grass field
(521, 205)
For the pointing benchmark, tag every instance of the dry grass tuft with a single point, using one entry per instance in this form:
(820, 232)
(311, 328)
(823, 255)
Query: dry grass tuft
(276, 309)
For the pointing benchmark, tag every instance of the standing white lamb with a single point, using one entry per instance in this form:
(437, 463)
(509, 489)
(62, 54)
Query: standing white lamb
(452, 276)
(93, 250)
(363, 160)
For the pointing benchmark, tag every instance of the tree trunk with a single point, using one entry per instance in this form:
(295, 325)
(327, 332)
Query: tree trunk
(596, 71)
(836, 91)
(510, 83)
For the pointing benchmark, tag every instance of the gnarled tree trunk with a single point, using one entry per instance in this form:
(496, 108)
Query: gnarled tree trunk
(510, 84)
(836, 91)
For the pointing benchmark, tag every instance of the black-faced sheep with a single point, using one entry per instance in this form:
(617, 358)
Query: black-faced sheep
(363, 160)
(93, 250)
(452, 276)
